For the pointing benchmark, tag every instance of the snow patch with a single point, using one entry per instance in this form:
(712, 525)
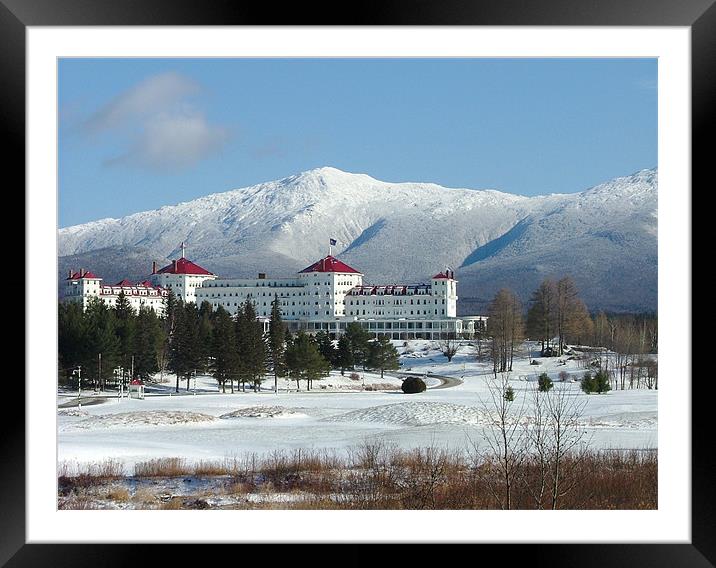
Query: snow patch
(644, 419)
(415, 414)
(140, 418)
(72, 412)
(262, 412)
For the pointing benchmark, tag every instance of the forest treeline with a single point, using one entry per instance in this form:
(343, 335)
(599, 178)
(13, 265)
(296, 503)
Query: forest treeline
(103, 344)
(623, 346)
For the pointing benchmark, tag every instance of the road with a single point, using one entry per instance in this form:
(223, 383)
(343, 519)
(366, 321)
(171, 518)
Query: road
(87, 401)
(445, 382)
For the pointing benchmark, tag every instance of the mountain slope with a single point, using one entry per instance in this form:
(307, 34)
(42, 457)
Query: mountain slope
(400, 231)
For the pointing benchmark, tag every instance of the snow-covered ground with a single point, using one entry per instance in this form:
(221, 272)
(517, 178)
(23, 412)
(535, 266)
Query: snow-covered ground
(211, 425)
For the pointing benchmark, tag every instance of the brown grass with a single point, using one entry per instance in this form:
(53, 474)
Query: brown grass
(174, 504)
(143, 496)
(377, 476)
(211, 468)
(120, 494)
(162, 467)
(71, 476)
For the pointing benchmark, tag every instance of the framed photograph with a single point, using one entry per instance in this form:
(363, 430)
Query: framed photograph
(350, 141)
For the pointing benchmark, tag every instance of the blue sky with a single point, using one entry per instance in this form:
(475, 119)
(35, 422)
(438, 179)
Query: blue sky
(136, 134)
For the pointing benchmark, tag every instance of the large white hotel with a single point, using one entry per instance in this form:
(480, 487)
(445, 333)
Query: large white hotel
(328, 295)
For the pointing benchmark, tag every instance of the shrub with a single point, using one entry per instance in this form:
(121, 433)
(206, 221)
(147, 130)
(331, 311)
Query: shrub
(544, 383)
(563, 376)
(598, 383)
(601, 382)
(354, 376)
(413, 385)
(587, 383)
(509, 394)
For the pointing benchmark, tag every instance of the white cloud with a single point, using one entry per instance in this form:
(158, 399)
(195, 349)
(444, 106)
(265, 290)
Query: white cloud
(144, 99)
(174, 141)
(162, 130)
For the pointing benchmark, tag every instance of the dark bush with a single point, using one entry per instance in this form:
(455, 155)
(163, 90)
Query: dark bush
(544, 383)
(413, 385)
(601, 382)
(598, 383)
(509, 394)
(587, 383)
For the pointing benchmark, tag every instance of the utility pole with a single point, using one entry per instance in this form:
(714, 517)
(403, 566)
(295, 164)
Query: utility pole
(119, 375)
(78, 370)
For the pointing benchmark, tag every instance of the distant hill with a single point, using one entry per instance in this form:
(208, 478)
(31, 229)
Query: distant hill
(604, 237)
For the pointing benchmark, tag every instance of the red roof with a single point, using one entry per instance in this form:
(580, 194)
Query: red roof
(184, 266)
(330, 264)
(76, 276)
(440, 275)
(124, 282)
(136, 382)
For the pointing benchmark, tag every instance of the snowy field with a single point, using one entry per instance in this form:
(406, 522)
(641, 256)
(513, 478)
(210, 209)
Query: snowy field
(338, 413)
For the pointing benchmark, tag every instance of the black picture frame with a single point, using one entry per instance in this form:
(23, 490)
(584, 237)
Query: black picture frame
(699, 15)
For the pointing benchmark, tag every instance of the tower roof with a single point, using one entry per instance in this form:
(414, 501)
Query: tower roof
(447, 274)
(330, 264)
(184, 266)
(79, 275)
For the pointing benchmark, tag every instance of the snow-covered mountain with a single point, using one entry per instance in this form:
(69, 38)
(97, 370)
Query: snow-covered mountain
(604, 237)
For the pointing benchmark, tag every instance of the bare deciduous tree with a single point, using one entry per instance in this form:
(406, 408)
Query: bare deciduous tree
(449, 347)
(506, 328)
(542, 313)
(504, 438)
(565, 436)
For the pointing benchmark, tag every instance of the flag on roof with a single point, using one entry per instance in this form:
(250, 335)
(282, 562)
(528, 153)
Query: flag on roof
(333, 242)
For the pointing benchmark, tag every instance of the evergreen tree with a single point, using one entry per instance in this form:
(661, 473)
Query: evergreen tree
(125, 319)
(225, 357)
(251, 346)
(544, 383)
(102, 353)
(325, 347)
(184, 353)
(276, 342)
(382, 355)
(509, 394)
(304, 361)
(205, 334)
(71, 337)
(601, 382)
(344, 355)
(169, 315)
(148, 343)
(587, 383)
(358, 340)
(598, 383)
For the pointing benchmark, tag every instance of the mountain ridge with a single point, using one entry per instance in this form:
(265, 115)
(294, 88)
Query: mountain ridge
(401, 231)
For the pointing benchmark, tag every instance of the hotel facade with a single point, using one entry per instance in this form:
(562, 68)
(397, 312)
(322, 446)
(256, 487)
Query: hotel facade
(327, 296)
